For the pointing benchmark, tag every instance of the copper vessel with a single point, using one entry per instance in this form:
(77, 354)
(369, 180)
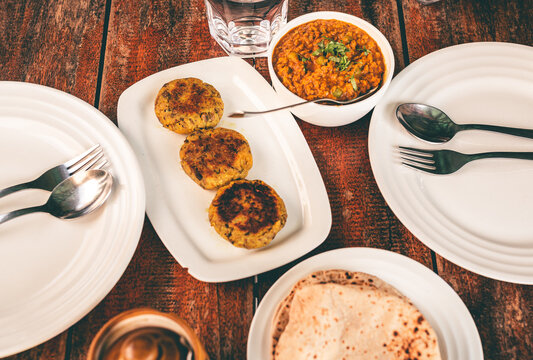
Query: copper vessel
(145, 334)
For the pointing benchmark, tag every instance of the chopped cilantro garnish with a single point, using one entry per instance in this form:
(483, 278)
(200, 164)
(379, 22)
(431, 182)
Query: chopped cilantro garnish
(336, 50)
(344, 63)
(364, 50)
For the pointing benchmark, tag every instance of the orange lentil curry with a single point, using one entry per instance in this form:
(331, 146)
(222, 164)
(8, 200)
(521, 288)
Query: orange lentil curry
(328, 59)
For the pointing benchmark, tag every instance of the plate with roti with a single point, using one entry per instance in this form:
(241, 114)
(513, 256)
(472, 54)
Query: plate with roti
(362, 303)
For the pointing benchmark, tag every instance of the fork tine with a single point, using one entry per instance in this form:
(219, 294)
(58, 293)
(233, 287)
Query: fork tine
(89, 164)
(419, 162)
(82, 164)
(99, 165)
(429, 170)
(417, 158)
(419, 152)
(80, 157)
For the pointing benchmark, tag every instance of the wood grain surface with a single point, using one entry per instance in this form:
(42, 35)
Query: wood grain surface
(95, 49)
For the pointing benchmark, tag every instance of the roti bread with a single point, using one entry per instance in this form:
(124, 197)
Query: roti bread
(337, 314)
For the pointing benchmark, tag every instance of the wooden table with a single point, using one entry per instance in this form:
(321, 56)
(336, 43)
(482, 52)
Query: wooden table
(95, 49)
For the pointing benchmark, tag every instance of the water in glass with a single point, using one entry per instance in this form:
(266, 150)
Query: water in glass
(245, 27)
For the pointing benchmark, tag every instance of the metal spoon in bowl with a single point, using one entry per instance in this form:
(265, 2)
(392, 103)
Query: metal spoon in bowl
(243, 113)
(75, 196)
(433, 125)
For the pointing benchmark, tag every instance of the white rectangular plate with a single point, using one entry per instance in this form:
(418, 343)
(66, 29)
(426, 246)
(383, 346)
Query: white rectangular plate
(177, 207)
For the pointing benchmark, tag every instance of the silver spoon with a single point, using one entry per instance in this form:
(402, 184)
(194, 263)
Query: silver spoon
(433, 125)
(75, 196)
(245, 113)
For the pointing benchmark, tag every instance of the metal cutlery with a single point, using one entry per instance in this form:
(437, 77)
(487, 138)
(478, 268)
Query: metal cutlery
(78, 195)
(433, 125)
(90, 159)
(448, 161)
(325, 101)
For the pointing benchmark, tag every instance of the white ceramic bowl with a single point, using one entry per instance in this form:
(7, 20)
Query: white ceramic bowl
(330, 115)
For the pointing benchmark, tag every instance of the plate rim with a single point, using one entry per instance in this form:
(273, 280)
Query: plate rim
(106, 128)
(472, 265)
(222, 272)
(354, 253)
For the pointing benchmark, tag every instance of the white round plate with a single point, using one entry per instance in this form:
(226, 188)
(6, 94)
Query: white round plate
(437, 301)
(52, 271)
(480, 216)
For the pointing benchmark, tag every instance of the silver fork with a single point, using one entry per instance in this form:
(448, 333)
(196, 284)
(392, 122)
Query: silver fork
(448, 161)
(90, 159)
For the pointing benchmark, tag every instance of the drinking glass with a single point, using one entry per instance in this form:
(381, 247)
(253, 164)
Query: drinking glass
(245, 27)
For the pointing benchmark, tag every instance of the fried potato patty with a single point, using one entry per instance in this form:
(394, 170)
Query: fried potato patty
(214, 157)
(247, 213)
(185, 105)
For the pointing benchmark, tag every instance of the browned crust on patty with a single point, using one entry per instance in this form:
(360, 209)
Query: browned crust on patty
(247, 213)
(214, 157)
(188, 104)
